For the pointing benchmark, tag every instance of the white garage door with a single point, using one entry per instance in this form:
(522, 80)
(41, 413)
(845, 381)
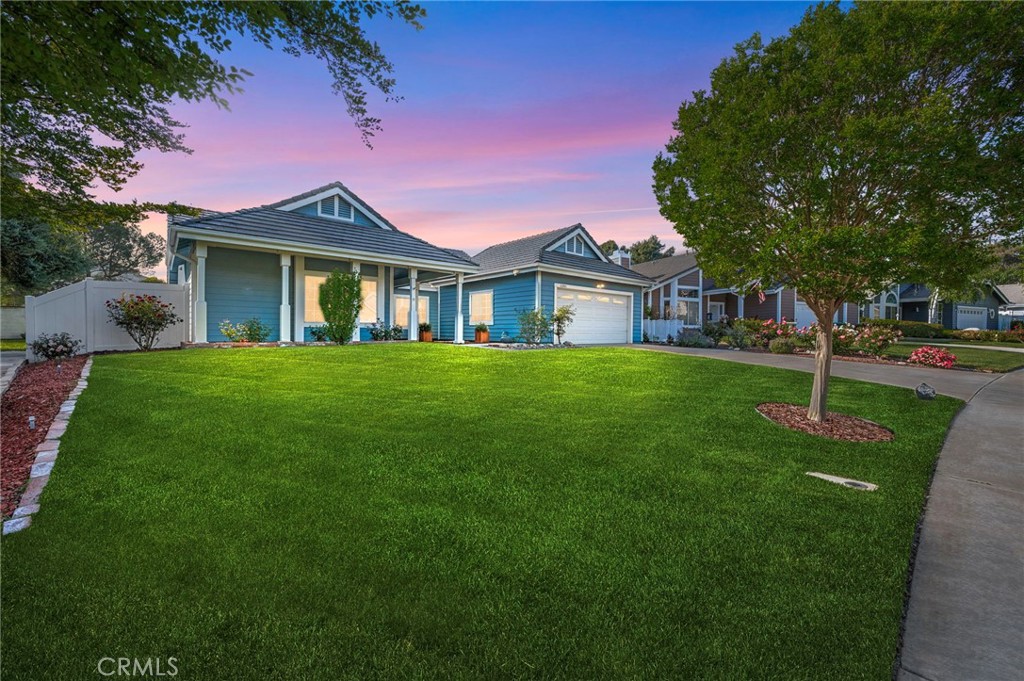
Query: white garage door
(971, 317)
(601, 317)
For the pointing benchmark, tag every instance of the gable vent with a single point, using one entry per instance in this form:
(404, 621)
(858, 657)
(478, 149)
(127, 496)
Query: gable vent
(344, 209)
(327, 206)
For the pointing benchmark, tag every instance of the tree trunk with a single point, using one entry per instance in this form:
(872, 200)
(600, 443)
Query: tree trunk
(822, 370)
(933, 307)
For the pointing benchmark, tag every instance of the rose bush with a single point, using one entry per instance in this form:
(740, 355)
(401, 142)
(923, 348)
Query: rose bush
(933, 357)
(142, 317)
(56, 346)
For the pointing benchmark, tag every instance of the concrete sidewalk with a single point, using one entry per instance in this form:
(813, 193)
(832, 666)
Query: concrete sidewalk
(10, 360)
(960, 384)
(965, 618)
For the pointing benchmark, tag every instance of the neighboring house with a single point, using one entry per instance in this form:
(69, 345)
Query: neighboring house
(548, 270)
(1013, 310)
(268, 262)
(683, 296)
(910, 302)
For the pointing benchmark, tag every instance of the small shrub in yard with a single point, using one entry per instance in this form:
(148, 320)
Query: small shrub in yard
(782, 346)
(144, 317)
(876, 339)
(341, 299)
(982, 335)
(1011, 336)
(770, 329)
(933, 357)
(911, 329)
(533, 325)
(716, 331)
(738, 337)
(249, 331)
(56, 346)
(318, 334)
(691, 338)
(560, 321)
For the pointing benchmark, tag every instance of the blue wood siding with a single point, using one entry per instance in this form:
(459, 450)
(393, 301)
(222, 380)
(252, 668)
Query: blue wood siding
(361, 219)
(512, 295)
(241, 285)
(547, 296)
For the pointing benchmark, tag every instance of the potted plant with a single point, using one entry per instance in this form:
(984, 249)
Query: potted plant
(482, 334)
(426, 335)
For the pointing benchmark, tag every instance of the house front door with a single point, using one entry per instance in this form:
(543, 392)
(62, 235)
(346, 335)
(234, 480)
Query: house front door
(715, 311)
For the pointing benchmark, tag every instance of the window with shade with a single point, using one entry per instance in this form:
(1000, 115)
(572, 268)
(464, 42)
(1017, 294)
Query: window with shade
(368, 313)
(481, 307)
(402, 310)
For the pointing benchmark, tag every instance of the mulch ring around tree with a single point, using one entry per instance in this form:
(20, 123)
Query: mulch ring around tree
(38, 390)
(835, 426)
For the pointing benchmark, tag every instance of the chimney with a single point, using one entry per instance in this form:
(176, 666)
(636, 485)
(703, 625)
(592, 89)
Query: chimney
(621, 257)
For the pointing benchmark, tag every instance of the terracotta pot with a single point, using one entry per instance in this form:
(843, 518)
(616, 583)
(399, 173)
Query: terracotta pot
(426, 336)
(482, 337)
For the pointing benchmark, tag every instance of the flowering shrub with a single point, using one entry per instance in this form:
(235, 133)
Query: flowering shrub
(249, 331)
(143, 317)
(57, 346)
(933, 357)
(843, 337)
(769, 329)
(782, 346)
(1011, 336)
(876, 339)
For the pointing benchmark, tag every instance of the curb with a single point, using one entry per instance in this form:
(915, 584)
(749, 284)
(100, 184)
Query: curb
(46, 457)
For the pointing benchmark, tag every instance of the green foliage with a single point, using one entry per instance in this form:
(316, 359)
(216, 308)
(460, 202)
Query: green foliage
(425, 326)
(649, 249)
(892, 131)
(716, 331)
(534, 325)
(143, 317)
(609, 247)
(911, 329)
(481, 327)
(739, 337)
(56, 346)
(341, 299)
(38, 257)
(561, 318)
(691, 338)
(318, 334)
(87, 86)
(381, 331)
(784, 345)
(117, 249)
(250, 331)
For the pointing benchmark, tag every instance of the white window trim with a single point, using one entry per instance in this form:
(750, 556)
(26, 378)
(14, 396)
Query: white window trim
(334, 192)
(578, 232)
(489, 322)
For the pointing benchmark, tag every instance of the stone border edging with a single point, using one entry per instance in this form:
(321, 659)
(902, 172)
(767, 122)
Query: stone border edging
(46, 457)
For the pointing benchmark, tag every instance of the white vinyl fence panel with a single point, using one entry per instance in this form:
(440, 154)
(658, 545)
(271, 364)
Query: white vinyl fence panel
(80, 309)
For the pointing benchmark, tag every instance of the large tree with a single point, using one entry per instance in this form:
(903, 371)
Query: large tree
(869, 146)
(649, 249)
(88, 85)
(116, 250)
(36, 257)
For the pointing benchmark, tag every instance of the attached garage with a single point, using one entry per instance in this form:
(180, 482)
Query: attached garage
(601, 316)
(971, 317)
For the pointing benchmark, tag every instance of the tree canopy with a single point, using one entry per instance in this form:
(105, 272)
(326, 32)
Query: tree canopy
(649, 249)
(116, 250)
(36, 257)
(609, 247)
(88, 85)
(880, 144)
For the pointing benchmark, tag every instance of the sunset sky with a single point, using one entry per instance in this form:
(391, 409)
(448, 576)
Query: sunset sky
(517, 117)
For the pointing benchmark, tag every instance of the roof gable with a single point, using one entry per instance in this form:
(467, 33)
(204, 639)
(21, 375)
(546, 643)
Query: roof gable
(667, 268)
(321, 196)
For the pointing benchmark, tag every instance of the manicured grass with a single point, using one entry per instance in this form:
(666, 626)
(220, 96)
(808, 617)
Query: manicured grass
(415, 511)
(12, 344)
(942, 341)
(967, 358)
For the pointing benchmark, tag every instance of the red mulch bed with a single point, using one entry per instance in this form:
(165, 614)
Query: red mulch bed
(38, 390)
(835, 426)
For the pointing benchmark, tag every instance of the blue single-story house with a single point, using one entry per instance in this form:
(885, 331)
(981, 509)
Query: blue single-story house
(548, 270)
(268, 262)
(912, 302)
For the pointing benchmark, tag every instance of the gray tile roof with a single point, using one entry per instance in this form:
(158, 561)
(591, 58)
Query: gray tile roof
(532, 250)
(273, 224)
(664, 268)
(178, 218)
(1012, 292)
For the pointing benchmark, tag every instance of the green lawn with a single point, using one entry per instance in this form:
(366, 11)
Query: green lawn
(947, 341)
(416, 511)
(967, 358)
(12, 344)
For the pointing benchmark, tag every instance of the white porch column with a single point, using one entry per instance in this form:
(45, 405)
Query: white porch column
(414, 305)
(700, 299)
(739, 304)
(673, 298)
(536, 295)
(355, 331)
(299, 309)
(778, 306)
(459, 324)
(391, 295)
(200, 316)
(286, 307)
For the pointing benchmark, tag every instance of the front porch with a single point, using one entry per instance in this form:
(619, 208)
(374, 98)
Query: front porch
(281, 289)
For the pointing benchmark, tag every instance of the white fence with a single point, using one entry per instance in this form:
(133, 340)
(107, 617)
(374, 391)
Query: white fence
(80, 309)
(661, 328)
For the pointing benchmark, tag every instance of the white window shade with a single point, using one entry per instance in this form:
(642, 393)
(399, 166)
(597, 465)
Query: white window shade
(481, 307)
(312, 286)
(402, 310)
(368, 313)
